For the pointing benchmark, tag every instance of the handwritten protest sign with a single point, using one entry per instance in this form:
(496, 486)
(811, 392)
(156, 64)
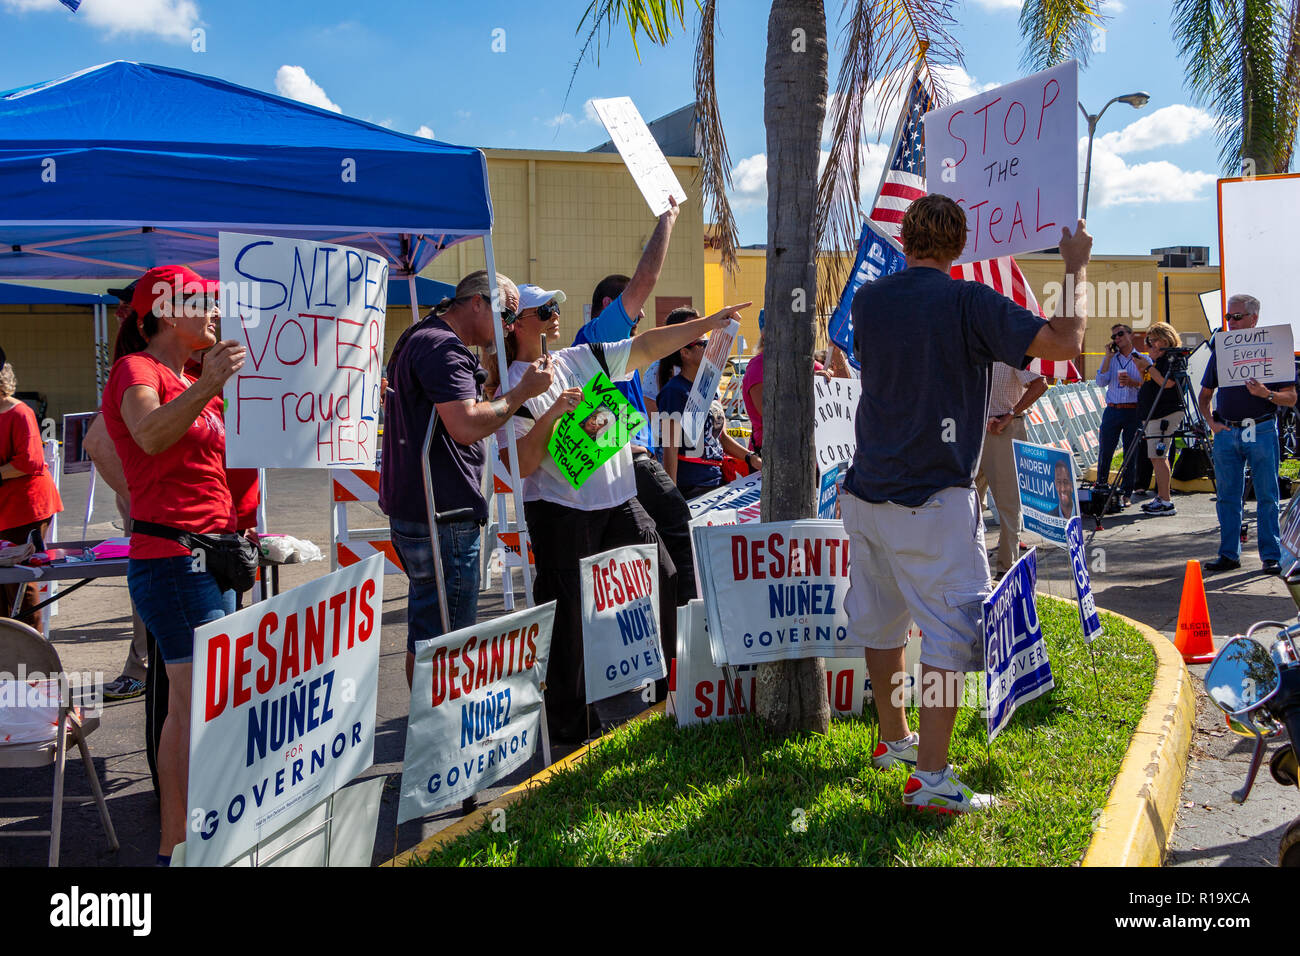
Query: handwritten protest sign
(1010, 157)
(282, 710)
(705, 386)
(620, 620)
(1088, 615)
(640, 151)
(1016, 667)
(878, 254)
(592, 433)
(1048, 498)
(311, 315)
(835, 404)
(775, 590)
(1264, 353)
(476, 708)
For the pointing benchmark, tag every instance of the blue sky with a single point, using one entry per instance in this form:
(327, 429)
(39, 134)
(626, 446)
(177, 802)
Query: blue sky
(431, 67)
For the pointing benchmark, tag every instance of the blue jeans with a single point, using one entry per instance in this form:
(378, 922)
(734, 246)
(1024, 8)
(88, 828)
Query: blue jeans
(173, 599)
(1114, 423)
(1231, 455)
(459, 543)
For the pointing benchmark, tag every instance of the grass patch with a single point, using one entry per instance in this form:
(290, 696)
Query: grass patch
(1290, 469)
(650, 794)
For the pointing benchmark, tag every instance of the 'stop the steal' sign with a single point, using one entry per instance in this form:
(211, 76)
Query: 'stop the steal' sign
(311, 315)
(1264, 354)
(1010, 157)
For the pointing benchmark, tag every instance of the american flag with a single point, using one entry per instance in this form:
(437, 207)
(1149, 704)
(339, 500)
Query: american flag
(1004, 275)
(71, 4)
(904, 180)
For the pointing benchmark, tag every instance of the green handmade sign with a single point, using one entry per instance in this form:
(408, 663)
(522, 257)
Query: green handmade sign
(593, 433)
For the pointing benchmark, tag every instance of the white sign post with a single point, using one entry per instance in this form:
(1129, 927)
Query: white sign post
(311, 315)
(620, 620)
(641, 153)
(1010, 157)
(1257, 239)
(282, 708)
(705, 386)
(1264, 353)
(476, 708)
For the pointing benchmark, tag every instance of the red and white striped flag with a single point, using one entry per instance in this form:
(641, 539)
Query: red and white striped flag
(904, 178)
(1005, 276)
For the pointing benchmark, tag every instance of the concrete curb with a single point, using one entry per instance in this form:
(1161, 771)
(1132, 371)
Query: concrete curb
(1136, 823)
(474, 820)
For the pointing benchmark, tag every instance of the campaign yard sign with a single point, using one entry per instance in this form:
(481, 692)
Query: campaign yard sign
(775, 590)
(311, 315)
(878, 255)
(696, 414)
(1088, 615)
(835, 406)
(592, 434)
(640, 151)
(620, 620)
(476, 708)
(735, 503)
(1048, 497)
(1264, 354)
(282, 708)
(1016, 668)
(703, 696)
(1010, 157)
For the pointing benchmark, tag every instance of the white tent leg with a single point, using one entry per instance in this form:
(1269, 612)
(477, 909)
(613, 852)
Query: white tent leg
(415, 303)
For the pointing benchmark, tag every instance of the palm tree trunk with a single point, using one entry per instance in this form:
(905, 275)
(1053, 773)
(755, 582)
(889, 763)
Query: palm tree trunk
(791, 696)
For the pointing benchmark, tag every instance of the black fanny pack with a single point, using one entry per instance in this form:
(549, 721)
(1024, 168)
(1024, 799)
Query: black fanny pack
(230, 558)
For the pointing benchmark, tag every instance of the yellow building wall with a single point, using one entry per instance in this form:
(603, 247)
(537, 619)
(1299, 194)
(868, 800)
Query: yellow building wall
(52, 350)
(566, 220)
(1185, 287)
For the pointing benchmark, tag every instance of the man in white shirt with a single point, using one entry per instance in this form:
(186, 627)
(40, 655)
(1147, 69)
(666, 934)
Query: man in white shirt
(1013, 392)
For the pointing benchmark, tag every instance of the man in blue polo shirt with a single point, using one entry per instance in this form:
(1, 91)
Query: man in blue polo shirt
(1244, 424)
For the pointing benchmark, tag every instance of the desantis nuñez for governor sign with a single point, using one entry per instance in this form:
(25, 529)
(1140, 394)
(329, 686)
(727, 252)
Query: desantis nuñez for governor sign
(620, 620)
(476, 705)
(282, 709)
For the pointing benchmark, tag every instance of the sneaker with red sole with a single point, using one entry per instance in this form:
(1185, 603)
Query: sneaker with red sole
(949, 795)
(898, 753)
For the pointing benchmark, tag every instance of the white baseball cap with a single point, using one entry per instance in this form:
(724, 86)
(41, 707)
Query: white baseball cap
(532, 296)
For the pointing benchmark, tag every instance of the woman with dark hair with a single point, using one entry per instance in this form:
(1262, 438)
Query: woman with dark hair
(695, 469)
(28, 497)
(168, 431)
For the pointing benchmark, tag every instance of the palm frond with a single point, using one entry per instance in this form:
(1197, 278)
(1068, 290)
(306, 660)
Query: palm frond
(1056, 30)
(884, 44)
(715, 160)
(1288, 107)
(652, 19)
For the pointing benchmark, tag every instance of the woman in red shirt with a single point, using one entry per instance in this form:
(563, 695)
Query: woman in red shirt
(28, 498)
(168, 430)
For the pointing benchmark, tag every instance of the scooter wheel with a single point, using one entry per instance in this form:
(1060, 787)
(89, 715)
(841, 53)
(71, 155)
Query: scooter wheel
(1283, 766)
(1288, 851)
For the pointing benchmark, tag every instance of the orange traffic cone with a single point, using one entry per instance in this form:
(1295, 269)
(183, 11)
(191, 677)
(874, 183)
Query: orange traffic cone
(1193, 637)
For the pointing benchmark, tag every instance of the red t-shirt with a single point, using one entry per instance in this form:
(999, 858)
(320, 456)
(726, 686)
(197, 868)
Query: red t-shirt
(246, 496)
(183, 486)
(32, 497)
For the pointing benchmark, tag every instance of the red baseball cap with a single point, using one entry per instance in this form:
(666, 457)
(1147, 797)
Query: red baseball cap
(168, 281)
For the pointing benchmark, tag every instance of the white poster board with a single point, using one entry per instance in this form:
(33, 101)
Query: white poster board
(311, 315)
(775, 590)
(705, 387)
(1010, 157)
(476, 708)
(620, 620)
(1258, 236)
(641, 153)
(835, 403)
(1212, 306)
(282, 708)
(1265, 354)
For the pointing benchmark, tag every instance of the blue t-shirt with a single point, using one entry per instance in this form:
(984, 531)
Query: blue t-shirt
(672, 399)
(927, 344)
(613, 325)
(1234, 403)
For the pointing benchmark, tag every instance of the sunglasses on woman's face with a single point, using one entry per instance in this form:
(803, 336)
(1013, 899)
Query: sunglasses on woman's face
(545, 312)
(698, 344)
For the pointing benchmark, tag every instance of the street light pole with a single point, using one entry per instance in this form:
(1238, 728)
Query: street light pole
(1135, 100)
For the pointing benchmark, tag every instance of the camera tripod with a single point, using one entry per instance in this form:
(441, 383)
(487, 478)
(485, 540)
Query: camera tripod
(1194, 430)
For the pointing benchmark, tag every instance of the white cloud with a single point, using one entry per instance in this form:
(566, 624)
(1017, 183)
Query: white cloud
(425, 131)
(749, 182)
(590, 113)
(880, 125)
(1116, 183)
(1167, 126)
(562, 119)
(169, 19)
(293, 82)
(997, 6)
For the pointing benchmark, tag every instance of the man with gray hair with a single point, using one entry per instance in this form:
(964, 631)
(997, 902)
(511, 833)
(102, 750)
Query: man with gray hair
(1244, 423)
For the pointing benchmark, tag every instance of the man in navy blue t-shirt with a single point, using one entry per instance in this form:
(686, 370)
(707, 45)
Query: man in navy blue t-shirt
(926, 343)
(1244, 424)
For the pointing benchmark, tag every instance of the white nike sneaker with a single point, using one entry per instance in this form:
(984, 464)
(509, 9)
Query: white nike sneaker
(949, 795)
(901, 752)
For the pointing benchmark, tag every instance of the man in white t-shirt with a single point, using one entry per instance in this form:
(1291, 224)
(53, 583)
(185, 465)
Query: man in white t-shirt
(1013, 392)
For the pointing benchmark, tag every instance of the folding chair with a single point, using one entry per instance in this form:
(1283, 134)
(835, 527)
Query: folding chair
(23, 650)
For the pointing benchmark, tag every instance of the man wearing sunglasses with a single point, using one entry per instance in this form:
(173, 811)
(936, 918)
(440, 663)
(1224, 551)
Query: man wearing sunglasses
(1244, 424)
(1120, 377)
(432, 367)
